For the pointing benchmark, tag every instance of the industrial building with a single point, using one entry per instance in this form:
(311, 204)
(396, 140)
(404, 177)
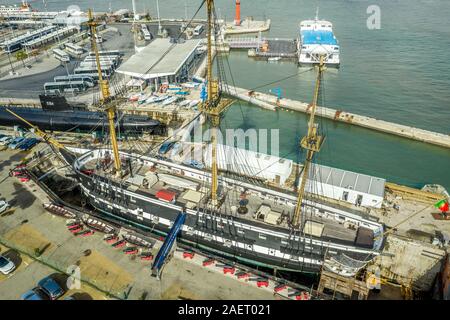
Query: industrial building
(28, 15)
(338, 184)
(355, 188)
(162, 61)
(51, 37)
(16, 43)
(70, 19)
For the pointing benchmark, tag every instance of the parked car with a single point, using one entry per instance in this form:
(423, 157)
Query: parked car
(4, 205)
(15, 143)
(51, 287)
(165, 147)
(24, 178)
(28, 144)
(195, 164)
(6, 265)
(35, 294)
(5, 140)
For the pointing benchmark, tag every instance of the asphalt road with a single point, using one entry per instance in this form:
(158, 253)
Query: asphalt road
(31, 86)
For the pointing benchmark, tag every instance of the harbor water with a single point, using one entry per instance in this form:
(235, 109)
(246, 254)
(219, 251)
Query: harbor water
(399, 73)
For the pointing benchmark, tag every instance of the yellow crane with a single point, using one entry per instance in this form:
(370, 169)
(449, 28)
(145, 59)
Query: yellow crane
(214, 105)
(312, 143)
(47, 138)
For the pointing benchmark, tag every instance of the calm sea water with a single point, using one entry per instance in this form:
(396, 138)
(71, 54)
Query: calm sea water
(399, 73)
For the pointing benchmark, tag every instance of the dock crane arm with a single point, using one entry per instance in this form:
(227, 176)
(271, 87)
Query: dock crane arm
(47, 138)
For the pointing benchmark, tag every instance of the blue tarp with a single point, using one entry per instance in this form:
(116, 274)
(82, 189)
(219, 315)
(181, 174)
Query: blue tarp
(318, 37)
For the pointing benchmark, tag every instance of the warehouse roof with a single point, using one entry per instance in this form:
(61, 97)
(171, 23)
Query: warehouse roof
(250, 163)
(160, 58)
(348, 180)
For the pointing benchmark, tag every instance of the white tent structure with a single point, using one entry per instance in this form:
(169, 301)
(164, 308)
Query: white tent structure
(250, 163)
(355, 188)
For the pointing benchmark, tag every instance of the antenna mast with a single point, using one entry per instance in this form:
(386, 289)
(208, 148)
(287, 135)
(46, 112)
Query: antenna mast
(214, 105)
(312, 143)
(106, 95)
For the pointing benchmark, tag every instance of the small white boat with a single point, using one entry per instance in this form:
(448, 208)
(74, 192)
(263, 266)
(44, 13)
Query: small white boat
(274, 59)
(143, 98)
(185, 103)
(134, 97)
(190, 85)
(194, 103)
(152, 99)
(160, 98)
(170, 101)
(174, 88)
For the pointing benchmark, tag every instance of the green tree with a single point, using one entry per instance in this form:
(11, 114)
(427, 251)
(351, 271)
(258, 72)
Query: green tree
(21, 56)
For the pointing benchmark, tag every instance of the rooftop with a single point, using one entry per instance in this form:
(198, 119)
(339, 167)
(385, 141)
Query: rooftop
(319, 37)
(160, 58)
(348, 180)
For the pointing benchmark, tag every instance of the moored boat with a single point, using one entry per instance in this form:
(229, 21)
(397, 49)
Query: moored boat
(59, 211)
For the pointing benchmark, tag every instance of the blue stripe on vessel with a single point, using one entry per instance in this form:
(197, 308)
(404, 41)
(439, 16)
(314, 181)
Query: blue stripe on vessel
(318, 37)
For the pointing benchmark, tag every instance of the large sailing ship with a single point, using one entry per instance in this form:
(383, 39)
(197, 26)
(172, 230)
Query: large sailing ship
(226, 214)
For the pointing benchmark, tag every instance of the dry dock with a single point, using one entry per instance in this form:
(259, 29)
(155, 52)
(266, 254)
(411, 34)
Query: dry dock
(265, 101)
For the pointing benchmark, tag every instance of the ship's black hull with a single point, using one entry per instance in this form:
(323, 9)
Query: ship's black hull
(77, 120)
(233, 254)
(309, 256)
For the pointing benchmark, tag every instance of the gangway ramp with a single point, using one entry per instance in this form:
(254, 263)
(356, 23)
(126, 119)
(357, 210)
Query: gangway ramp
(165, 249)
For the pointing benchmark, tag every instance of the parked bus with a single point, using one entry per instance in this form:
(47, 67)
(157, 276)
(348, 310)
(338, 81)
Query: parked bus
(199, 30)
(74, 49)
(61, 55)
(106, 53)
(112, 59)
(145, 32)
(65, 87)
(71, 78)
(93, 72)
(98, 38)
(93, 64)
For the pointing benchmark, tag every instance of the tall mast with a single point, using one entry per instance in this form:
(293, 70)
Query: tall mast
(214, 105)
(106, 95)
(312, 143)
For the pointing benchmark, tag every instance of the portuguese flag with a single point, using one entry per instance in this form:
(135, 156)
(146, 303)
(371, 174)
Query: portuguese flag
(442, 205)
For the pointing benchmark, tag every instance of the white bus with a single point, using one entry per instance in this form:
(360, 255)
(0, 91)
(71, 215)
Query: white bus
(98, 38)
(106, 53)
(112, 59)
(103, 64)
(145, 32)
(61, 55)
(199, 30)
(74, 49)
(65, 87)
(90, 82)
(93, 72)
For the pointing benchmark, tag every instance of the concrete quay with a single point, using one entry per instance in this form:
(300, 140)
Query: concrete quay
(408, 132)
(247, 26)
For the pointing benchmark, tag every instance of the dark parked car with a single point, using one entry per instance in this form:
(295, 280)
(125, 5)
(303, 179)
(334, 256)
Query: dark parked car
(166, 146)
(28, 144)
(51, 287)
(35, 294)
